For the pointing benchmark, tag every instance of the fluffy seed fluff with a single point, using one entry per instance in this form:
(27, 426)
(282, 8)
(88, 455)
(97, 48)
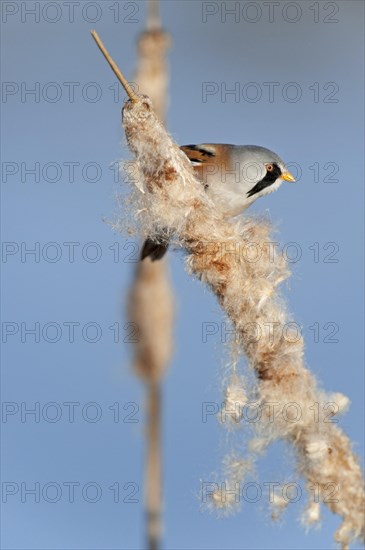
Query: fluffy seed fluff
(173, 200)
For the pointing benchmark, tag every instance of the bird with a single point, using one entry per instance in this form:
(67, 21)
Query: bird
(233, 176)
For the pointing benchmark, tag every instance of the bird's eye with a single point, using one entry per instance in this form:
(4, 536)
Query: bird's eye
(269, 167)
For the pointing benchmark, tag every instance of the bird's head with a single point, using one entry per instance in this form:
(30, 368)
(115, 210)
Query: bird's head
(265, 170)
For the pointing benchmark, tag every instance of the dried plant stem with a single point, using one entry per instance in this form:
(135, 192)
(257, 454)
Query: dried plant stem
(153, 20)
(153, 463)
(124, 82)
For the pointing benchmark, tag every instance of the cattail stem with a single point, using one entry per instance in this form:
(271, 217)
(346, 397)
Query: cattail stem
(118, 73)
(153, 466)
(153, 20)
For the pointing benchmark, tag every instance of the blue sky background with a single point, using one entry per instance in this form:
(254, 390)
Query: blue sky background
(312, 130)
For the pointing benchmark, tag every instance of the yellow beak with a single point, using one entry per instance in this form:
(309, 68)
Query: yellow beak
(287, 176)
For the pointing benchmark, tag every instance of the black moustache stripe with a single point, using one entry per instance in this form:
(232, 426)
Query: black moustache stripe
(268, 179)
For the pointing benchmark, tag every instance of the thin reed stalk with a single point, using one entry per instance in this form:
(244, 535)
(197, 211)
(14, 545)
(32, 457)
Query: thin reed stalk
(153, 465)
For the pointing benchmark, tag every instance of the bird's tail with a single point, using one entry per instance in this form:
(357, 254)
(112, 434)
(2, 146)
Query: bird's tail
(154, 250)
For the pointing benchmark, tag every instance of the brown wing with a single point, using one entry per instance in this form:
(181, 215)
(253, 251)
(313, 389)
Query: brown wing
(200, 155)
(208, 158)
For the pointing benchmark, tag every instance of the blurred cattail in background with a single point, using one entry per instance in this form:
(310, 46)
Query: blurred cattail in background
(150, 299)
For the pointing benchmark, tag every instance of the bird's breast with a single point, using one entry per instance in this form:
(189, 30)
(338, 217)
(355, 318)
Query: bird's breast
(226, 187)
